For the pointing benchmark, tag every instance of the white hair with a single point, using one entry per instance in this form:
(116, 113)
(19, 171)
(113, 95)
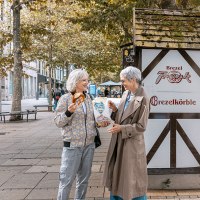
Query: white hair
(75, 76)
(130, 73)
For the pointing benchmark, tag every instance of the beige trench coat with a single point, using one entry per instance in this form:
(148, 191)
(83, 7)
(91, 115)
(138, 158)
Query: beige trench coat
(125, 173)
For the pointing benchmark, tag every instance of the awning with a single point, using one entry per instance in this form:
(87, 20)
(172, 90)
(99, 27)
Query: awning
(110, 83)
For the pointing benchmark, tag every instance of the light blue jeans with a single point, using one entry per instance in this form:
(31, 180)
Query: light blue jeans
(119, 198)
(75, 162)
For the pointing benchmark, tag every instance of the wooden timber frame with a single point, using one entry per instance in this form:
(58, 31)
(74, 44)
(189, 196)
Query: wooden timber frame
(173, 126)
(146, 37)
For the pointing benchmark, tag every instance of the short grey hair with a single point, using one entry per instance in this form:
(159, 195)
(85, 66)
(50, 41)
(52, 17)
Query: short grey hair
(131, 72)
(75, 76)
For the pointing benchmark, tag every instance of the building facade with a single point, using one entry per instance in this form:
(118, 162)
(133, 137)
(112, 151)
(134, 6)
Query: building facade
(35, 74)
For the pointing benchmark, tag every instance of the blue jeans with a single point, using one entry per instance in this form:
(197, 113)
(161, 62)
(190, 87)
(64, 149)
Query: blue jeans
(119, 198)
(75, 163)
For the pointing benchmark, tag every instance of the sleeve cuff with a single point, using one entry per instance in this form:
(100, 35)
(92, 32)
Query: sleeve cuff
(68, 114)
(126, 133)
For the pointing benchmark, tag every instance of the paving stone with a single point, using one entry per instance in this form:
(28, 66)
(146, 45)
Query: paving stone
(9, 152)
(155, 198)
(42, 194)
(7, 156)
(98, 162)
(95, 182)
(25, 181)
(96, 176)
(101, 150)
(188, 192)
(26, 142)
(50, 155)
(106, 193)
(43, 169)
(50, 181)
(181, 198)
(5, 145)
(102, 168)
(86, 199)
(72, 192)
(3, 160)
(18, 162)
(58, 144)
(184, 197)
(50, 161)
(48, 184)
(5, 176)
(25, 156)
(96, 168)
(33, 151)
(161, 193)
(193, 196)
(95, 192)
(101, 154)
(92, 192)
(52, 176)
(53, 150)
(99, 158)
(14, 194)
(16, 169)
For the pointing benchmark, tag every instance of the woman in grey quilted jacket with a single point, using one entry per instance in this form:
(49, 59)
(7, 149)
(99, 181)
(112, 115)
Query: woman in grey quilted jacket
(78, 131)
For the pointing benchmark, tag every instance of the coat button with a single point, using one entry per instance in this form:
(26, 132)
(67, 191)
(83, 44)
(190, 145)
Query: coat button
(129, 134)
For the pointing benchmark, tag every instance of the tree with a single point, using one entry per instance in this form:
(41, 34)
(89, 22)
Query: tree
(84, 32)
(68, 43)
(114, 18)
(17, 90)
(100, 15)
(17, 52)
(47, 31)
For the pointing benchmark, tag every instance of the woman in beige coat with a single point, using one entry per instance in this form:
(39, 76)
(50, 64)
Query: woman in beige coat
(125, 173)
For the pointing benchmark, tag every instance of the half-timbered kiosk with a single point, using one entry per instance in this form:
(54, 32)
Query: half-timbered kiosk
(167, 50)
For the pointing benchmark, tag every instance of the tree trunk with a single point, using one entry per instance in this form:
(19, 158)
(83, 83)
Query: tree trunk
(0, 94)
(168, 4)
(17, 87)
(184, 4)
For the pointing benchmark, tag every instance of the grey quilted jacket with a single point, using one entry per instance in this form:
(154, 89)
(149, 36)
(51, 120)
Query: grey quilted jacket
(79, 128)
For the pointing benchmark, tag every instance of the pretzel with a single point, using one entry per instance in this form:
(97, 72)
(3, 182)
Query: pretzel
(78, 98)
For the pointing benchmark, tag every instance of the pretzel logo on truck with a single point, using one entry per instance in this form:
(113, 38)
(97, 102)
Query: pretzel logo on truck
(155, 101)
(173, 75)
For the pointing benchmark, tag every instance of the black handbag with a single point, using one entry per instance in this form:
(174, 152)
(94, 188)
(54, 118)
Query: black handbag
(97, 139)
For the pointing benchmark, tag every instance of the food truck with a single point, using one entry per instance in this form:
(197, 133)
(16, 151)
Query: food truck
(166, 48)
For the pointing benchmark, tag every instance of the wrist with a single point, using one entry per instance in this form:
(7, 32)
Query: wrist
(115, 109)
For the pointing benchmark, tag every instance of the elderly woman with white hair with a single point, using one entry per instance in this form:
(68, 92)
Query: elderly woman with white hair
(125, 173)
(76, 119)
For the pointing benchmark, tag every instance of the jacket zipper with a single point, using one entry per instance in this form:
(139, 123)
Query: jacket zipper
(85, 116)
